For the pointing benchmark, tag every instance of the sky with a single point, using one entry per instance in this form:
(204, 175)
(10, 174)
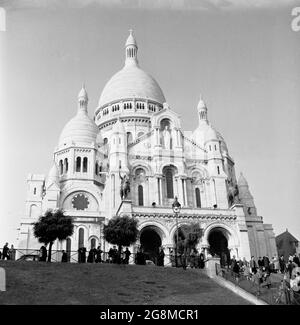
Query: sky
(242, 56)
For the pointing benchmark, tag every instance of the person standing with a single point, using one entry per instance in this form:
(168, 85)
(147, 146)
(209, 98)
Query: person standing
(5, 252)
(161, 256)
(201, 260)
(79, 255)
(90, 258)
(260, 263)
(266, 262)
(276, 264)
(296, 260)
(43, 254)
(127, 253)
(64, 257)
(12, 253)
(83, 254)
(98, 255)
(282, 264)
(253, 265)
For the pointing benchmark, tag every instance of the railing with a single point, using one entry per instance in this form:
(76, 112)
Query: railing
(73, 257)
(272, 292)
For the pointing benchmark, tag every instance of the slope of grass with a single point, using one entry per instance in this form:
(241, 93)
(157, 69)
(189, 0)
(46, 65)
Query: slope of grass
(109, 284)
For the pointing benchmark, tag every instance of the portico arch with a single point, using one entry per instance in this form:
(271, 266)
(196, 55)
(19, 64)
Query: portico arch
(220, 239)
(151, 239)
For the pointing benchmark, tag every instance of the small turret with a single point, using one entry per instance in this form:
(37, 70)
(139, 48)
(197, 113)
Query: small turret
(83, 99)
(202, 111)
(246, 197)
(131, 49)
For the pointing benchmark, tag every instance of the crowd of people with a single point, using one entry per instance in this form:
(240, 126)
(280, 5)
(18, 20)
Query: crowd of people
(8, 253)
(193, 259)
(94, 255)
(142, 258)
(260, 270)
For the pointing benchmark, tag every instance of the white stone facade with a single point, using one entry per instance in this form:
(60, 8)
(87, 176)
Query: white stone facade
(135, 132)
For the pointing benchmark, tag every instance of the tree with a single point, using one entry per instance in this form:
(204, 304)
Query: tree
(188, 238)
(51, 226)
(121, 231)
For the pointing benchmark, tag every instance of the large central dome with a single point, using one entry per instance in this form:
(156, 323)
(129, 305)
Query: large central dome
(131, 81)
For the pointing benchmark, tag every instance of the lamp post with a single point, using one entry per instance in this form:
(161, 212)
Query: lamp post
(176, 206)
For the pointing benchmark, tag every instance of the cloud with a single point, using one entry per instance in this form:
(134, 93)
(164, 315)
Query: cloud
(152, 4)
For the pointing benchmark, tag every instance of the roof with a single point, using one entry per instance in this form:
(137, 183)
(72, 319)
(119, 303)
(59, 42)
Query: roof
(286, 236)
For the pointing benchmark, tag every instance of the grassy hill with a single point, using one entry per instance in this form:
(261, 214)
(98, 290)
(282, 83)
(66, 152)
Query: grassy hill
(109, 284)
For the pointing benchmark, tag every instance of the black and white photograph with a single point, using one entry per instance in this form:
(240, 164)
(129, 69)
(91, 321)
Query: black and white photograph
(150, 155)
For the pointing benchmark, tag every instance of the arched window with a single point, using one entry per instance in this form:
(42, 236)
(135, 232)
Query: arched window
(61, 168)
(78, 164)
(198, 198)
(100, 168)
(169, 183)
(66, 165)
(96, 168)
(34, 191)
(85, 164)
(218, 169)
(141, 195)
(93, 243)
(81, 238)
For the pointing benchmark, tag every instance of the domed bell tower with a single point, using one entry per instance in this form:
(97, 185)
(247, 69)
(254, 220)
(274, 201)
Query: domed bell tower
(118, 162)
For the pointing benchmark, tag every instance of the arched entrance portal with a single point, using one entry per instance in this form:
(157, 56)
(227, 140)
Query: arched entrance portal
(218, 241)
(150, 242)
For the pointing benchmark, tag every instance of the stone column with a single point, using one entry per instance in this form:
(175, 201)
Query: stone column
(180, 192)
(184, 192)
(161, 190)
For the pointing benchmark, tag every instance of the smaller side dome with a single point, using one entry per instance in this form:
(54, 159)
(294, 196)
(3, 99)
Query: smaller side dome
(81, 129)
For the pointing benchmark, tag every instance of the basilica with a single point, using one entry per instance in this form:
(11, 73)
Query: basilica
(135, 135)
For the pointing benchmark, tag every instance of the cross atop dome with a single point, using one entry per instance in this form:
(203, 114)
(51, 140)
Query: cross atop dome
(131, 49)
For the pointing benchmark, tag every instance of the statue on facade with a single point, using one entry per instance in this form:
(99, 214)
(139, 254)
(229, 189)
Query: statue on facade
(125, 186)
(233, 194)
(167, 138)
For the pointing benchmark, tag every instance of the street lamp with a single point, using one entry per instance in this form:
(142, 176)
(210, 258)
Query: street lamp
(176, 206)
